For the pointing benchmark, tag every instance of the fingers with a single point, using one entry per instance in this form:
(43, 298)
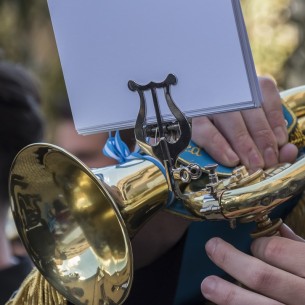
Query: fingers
(222, 292)
(273, 109)
(288, 153)
(262, 135)
(233, 126)
(277, 251)
(206, 135)
(257, 275)
(285, 231)
(257, 138)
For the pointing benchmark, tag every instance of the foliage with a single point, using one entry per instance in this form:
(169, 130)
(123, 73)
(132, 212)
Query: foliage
(275, 28)
(26, 37)
(295, 65)
(272, 35)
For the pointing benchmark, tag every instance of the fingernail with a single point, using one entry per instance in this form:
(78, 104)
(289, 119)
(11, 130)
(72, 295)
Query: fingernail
(208, 286)
(210, 246)
(254, 246)
(255, 160)
(231, 158)
(286, 227)
(258, 248)
(281, 135)
(270, 157)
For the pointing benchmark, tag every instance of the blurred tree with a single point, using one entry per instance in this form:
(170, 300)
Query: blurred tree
(26, 36)
(272, 35)
(294, 69)
(275, 29)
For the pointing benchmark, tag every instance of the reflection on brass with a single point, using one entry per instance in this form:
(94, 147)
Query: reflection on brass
(295, 101)
(76, 223)
(232, 199)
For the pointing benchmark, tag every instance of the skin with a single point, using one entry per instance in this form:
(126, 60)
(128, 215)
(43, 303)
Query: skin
(87, 148)
(275, 273)
(256, 138)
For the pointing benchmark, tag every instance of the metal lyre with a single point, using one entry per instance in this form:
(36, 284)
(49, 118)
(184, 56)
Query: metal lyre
(173, 137)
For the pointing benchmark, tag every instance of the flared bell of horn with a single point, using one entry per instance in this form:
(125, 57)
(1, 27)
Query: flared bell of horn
(76, 222)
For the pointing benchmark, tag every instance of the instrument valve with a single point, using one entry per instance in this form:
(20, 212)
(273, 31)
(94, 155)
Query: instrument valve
(187, 173)
(213, 177)
(240, 172)
(214, 182)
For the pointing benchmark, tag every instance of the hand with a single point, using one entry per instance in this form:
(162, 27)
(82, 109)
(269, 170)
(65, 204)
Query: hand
(256, 138)
(275, 275)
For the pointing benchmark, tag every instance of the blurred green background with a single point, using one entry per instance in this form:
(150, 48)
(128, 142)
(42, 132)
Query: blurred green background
(275, 29)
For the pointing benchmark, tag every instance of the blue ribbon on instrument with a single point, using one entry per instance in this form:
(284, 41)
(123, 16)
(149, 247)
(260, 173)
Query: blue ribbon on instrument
(117, 149)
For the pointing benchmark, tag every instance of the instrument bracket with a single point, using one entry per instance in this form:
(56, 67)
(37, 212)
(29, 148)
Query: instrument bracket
(171, 137)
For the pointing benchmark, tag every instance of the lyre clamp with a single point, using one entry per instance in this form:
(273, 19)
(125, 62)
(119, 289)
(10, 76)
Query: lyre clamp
(171, 137)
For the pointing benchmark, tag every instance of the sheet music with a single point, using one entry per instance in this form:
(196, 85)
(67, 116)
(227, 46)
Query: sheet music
(104, 44)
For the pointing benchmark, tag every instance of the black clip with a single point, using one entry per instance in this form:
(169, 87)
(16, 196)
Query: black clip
(166, 150)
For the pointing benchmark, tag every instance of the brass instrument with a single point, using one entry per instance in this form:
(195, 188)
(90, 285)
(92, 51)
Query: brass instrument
(76, 223)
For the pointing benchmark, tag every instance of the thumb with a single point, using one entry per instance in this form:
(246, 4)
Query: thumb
(285, 231)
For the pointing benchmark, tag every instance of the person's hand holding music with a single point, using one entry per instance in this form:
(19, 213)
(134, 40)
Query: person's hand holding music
(256, 138)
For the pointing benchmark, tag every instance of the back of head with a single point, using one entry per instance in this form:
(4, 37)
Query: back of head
(20, 117)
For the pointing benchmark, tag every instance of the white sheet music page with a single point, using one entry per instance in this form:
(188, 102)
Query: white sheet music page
(104, 44)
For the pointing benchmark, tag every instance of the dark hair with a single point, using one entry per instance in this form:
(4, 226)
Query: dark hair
(21, 121)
